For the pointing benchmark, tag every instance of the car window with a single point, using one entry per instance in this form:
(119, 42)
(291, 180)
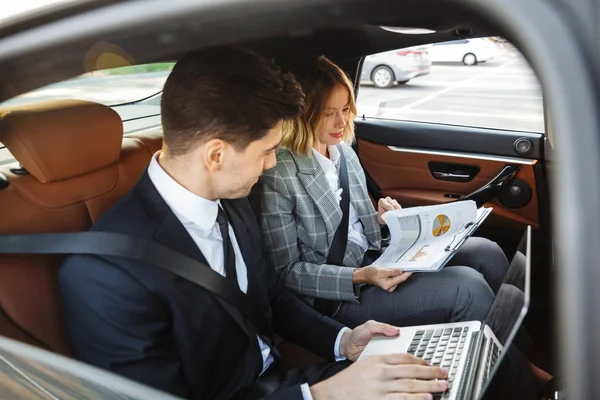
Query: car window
(451, 42)
(480, 82)
(110, 87)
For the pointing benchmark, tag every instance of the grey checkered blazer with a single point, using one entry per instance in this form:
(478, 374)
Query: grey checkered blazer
(299, 214)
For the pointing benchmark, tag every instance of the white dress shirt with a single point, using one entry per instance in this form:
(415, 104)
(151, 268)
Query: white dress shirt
(199, 217)
(330, 167)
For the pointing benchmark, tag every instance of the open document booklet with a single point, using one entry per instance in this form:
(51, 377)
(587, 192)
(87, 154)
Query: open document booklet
(423, 239)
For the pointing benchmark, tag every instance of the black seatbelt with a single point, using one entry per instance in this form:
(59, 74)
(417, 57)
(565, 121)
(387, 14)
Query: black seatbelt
(340, 238)
(112, 244)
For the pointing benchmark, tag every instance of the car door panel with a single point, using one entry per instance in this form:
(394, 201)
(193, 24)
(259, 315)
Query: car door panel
(456, 139)
(405, 173)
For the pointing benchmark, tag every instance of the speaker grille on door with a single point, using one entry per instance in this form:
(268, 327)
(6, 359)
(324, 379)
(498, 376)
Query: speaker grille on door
(523, 146)
(515, 194)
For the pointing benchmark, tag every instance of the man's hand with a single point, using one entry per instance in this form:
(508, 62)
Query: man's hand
(390, 376)
(384, 205)
(385, 278)
(354, 341)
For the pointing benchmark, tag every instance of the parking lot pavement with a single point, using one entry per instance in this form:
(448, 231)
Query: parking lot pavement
(501, 93)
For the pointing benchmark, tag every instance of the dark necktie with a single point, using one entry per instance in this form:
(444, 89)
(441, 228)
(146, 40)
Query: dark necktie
(230, 272)
(228, 253)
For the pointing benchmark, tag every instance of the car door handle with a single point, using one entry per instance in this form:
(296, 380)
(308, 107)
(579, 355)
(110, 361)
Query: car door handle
(452, 172)
(448, 176)
(488, 191)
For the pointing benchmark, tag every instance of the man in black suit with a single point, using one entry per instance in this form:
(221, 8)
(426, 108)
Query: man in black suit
(223, 112)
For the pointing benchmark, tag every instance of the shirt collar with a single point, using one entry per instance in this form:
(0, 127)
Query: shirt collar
(196, 209)
(327, 163)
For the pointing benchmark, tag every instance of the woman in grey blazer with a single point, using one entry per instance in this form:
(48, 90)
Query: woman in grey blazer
(298, 202)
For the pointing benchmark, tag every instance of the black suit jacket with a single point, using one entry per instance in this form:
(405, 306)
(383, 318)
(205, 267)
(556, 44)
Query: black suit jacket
(162, 330)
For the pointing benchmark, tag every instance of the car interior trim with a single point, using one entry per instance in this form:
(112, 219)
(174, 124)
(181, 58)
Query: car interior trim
(486, 157)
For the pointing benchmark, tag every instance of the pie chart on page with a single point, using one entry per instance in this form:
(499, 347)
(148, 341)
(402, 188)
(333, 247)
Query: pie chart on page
(441, 225)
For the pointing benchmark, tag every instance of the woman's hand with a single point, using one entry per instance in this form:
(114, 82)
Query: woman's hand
(387, 279)
(384, 205)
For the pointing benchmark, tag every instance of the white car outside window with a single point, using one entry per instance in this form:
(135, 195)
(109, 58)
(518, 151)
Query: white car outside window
(467, 51)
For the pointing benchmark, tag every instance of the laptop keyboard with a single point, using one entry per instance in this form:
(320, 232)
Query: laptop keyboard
(492, 358)
(441, 347)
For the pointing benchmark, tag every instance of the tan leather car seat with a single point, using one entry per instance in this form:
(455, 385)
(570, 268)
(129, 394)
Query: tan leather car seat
(76, 164)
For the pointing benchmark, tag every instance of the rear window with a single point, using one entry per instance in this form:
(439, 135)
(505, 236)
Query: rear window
(110, 87)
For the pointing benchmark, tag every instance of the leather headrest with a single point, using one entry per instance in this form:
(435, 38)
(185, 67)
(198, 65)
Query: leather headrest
(58, 140)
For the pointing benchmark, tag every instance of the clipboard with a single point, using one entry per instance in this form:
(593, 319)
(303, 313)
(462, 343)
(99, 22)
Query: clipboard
(469, 230)
(454, 244)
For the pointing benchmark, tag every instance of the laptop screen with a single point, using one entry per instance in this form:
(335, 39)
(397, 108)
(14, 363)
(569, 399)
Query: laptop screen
(512, 300)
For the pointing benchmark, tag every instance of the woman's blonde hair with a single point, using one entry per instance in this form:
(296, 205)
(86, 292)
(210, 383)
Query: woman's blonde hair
(317, 83)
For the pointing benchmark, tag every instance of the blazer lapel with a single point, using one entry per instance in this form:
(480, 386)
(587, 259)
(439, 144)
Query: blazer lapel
(170, 231)
(371, 228)
(314, 181)
(173, 234)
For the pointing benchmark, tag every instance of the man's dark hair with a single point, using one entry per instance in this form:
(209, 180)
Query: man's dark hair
(227, 93)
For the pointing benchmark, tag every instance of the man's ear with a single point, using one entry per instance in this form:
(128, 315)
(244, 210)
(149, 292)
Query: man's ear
(213, 152)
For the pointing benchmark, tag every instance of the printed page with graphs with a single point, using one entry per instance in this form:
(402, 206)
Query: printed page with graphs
(423, 239)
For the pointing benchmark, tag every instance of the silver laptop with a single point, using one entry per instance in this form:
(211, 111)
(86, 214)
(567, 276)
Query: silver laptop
(471, 351)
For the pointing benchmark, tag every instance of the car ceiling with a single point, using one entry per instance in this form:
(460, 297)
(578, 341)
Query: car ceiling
(53, 47)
